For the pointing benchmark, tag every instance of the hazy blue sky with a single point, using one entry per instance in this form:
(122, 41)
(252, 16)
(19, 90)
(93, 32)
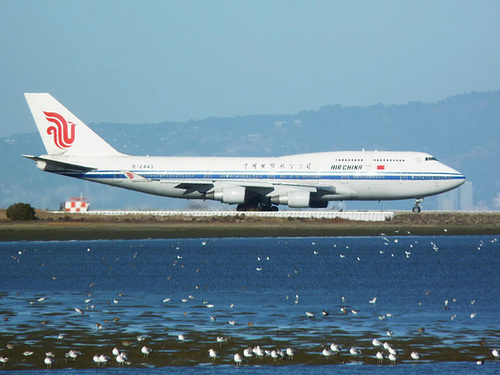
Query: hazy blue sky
(152, 61)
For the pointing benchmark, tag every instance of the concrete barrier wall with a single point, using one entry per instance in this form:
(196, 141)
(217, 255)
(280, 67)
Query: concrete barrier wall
(347, 215)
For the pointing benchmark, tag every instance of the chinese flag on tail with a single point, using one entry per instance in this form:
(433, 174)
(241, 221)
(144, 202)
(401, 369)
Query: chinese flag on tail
(380, 167)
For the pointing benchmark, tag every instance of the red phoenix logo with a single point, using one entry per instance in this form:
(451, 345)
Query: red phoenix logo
(64, 135)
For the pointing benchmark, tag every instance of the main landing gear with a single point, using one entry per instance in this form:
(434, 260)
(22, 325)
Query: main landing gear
(258, 207)
(417, 207)
(256, 203)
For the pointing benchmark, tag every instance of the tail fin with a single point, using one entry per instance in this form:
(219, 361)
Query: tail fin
(62, 132)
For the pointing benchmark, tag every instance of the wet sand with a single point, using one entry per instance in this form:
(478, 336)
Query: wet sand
(169, 351)
(51, 226)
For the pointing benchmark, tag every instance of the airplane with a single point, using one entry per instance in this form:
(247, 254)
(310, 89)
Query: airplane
(251, 183)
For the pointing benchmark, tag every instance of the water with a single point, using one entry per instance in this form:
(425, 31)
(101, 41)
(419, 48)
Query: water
(159, 289)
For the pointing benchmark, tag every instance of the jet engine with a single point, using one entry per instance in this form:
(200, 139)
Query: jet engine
(299, 199)
(228, 194)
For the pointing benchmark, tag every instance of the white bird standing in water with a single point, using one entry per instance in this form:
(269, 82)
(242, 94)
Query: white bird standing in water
(393, 358)
(238, 359)
(121, 358)
(146, 351)
(49, 361)
(326, 353)
(336, 348)
(212, 354)
(355, 351)
(416, 356)
(248, 353)
(103, 359)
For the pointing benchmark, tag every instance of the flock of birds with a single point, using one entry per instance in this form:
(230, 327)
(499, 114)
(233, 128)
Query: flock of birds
(384, 352)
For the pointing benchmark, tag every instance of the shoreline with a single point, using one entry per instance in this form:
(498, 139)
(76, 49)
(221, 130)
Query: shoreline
(64, 227)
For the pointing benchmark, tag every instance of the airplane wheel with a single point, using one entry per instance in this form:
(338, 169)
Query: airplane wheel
(417, 209)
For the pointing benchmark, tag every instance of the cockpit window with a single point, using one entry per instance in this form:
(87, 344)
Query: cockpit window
(427, 158)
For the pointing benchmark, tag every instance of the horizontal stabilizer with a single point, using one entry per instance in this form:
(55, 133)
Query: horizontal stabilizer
(47, 164)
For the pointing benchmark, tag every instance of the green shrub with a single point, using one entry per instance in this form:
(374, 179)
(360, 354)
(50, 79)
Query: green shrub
(21, 212)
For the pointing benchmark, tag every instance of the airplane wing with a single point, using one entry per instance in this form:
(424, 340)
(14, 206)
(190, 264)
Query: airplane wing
(254, 185)
(48, 164)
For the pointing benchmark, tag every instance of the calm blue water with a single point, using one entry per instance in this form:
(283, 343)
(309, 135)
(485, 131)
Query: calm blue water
(159, 289)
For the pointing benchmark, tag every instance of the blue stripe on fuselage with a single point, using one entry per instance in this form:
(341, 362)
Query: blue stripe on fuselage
(244, 175)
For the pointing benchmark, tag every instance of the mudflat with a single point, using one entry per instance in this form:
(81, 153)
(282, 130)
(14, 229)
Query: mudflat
(50, 226)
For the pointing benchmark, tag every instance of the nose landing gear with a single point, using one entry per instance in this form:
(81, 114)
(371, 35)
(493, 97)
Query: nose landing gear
(417, 207)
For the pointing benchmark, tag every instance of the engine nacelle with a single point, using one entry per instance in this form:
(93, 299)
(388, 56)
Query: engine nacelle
(296, 199)
(228, 194)
(299, 199)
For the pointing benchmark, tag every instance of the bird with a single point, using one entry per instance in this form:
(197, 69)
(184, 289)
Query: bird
(49, 361)
(103, 359)
(376, 342)
(181, 337)
(309, 314)
(496, 353)
(290, 352)
(355, 351)
(238, 359)
(115, 351)
(336, 348)
(146, 351)
(258, 351)
(380, 356)
(326, 353)
(373, 300)
(72, 355)
(95, 358)
(274, 355)
(325, 313)
(393, 358)
(212, 354)
(248, 352)
(416, 356)
(4, 360)
(121, 358)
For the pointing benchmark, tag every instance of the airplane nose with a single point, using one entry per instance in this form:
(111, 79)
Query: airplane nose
(460, 180)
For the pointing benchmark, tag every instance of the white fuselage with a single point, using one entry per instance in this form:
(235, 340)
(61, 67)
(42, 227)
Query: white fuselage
(350, 175)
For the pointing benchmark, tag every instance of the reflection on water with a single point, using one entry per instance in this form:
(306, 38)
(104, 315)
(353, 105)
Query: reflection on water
(431, 295)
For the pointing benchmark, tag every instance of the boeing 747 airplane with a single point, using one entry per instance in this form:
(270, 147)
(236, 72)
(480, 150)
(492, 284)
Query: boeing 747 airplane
(251, 183)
